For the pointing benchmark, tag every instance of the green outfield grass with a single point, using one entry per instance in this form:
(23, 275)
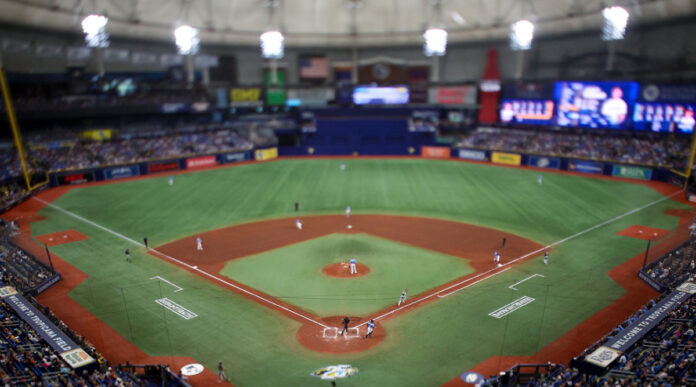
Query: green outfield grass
(427, 346)
(299, 280)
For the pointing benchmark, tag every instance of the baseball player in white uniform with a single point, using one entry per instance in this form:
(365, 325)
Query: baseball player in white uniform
(347, 211)
(540, 179)
(171, 180)
(496, 258)
(546, 257)
(199, 244)
(402, 298)
(370, 328)
(353, 269)
(298, 223)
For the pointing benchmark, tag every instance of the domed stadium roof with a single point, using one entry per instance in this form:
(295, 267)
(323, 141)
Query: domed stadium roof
(329, 22)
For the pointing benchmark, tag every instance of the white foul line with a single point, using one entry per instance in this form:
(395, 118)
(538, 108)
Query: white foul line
(190, 267)
(519, 282)
(178, 288)
(440, 295)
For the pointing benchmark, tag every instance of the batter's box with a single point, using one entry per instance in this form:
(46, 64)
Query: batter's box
(355, 333)
(330, 333)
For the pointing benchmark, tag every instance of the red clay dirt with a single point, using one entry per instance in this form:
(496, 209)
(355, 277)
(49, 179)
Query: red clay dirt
(61, 237)
(643, 232)
(342, 270)
(321, 340)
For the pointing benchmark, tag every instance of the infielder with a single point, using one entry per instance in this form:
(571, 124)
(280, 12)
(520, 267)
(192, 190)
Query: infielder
(353, 269)
(402, 298)
(347, 211)
(298, 223)
(199, 244)
(221, 373)
(496, 257)
(370, 328)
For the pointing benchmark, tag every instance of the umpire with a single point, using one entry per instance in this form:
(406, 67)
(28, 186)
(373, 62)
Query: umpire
(346, 321)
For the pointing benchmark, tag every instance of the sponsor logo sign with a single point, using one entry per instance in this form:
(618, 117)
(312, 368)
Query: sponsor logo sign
(585, 166)
(191, 369)
(121, 172)
(266, 154)
(472, 154)
(687, 287)
(454, 95)
(233, 157)
(544, 162)
(76, 178)
(603, 356)
(176, 308)
(511, 307)
(650, 281)
(334, 372)
(48, 283)
(506, 158)
(437, 152)
(632, 172)
(249, 96)
(58, 340)
(7, 291)
(623, 340)
(163, 167)
(200, 162)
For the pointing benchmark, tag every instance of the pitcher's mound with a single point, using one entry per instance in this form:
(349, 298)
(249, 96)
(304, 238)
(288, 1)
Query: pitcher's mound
(342, 270)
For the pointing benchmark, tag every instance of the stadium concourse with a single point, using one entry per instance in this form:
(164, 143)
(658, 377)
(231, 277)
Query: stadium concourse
(139, 195)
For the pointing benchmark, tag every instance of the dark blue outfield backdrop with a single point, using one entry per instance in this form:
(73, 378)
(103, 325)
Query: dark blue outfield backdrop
(72, 353)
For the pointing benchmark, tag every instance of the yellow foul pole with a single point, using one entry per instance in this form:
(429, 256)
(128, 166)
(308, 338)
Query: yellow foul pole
(13, 125)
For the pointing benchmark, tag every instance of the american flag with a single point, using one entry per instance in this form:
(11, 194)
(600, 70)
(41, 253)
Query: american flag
(314, 67)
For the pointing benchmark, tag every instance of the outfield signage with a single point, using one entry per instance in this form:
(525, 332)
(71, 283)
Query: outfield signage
(234, 157)
(544, 162)
(266, 154)
(76, 178)
(176, 308)
(634, 332)
(121, 172)
(585, 166)
(472, 154)
(248, 96)
(200, 162)
(438, 152)
(506, 158)
(59, 341)
(163, 167)
(632, 172)
(603, 356)
(511, 307)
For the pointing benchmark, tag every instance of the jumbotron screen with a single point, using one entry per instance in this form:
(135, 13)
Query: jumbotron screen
(376, 95)
(526, 111)
(595, 104)
(664, 117)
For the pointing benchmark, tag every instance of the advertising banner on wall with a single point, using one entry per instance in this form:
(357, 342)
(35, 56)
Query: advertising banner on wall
(165, 166)
(585, 166)
(75, 178)
(266, 154)
(437, 152)
(544, 162)
(471, 154)
(453, 95)
(310, 97)
(121, 172)
(595, 104)
(200, 162)
(246, 96)
(506, 158)
(233, 157)
(632, 172)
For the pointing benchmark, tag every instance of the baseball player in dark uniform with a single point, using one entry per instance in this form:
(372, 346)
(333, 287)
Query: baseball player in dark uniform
(128, 258)
(346, 321)
(146, 245)
(297, 206)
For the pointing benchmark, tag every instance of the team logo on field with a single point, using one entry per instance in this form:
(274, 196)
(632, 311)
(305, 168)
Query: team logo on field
(191, 369)
(335, 372)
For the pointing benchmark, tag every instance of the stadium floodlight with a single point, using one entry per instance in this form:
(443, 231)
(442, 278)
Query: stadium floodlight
(435, 43)
(615, 21)
(94, 28)
(272, 45)
(521, 35)
(186, 38)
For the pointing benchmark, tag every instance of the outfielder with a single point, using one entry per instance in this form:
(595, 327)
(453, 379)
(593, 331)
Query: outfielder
(353, 269)
(199, 244)
(298, 223)
(128, 258)
(540, 179)
(347, 211)
(171, 180)
(370, 328)
(546, 257)
(402, 298)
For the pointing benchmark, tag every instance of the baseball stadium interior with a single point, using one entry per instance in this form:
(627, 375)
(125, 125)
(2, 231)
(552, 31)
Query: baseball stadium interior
(107, 93)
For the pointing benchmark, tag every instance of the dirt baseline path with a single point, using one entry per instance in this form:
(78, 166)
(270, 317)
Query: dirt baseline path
(474, 243)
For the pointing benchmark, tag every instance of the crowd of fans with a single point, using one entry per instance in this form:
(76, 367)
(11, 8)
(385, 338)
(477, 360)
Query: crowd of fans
(666, 151)
(663, 357)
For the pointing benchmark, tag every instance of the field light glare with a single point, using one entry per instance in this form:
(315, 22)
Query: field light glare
(615, 21)
(272, 44)
(435, 42)
(94, 28)
(521, 35)
(186, 38)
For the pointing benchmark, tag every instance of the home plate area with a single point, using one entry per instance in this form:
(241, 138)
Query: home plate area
(332, 333)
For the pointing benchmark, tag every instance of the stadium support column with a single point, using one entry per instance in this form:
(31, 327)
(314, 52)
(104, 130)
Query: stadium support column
(12, 119)
(519, 66)
(435, 69)
(188, 64)
(354, 67)
(611, 52)
(99, 61)
(274, 71)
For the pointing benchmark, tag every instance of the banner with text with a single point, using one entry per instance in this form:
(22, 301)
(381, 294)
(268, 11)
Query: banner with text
(200, 162)
(76, 178)
(585, 166)
(247, 96)
(163, 167)
(75, 356)
(266, 154)
(121, 172)
(506, 158)
(544, 162)
(233, 157)
(438, 152)
(632, 172)
(471, 154)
